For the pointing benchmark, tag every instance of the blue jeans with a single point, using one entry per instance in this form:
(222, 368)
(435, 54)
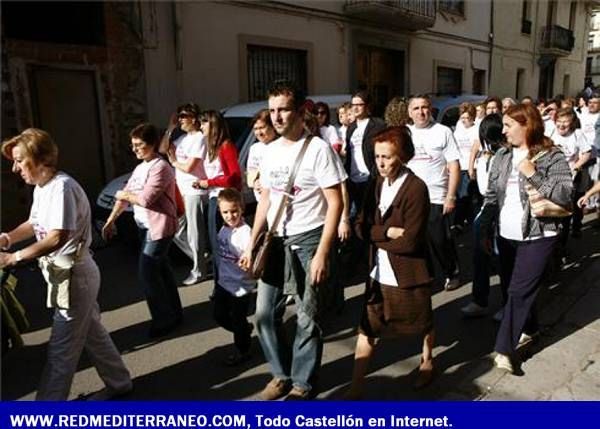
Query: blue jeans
(308, 344)
(157, 281)
(214, 224)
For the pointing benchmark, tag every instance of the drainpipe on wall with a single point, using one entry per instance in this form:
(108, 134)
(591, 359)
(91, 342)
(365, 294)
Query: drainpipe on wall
(177, 35)
(491, 42)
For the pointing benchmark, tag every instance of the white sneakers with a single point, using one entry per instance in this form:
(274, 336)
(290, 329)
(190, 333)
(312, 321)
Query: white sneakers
(473, 309)
(192, 279)
(452, 283)
(503, 362)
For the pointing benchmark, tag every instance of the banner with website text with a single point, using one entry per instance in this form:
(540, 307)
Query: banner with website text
(323, 414)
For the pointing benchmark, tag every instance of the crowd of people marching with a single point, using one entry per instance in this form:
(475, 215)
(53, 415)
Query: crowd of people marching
(390, 193)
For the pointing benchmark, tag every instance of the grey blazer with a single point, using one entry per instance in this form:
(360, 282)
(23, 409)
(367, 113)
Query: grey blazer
(552, 179)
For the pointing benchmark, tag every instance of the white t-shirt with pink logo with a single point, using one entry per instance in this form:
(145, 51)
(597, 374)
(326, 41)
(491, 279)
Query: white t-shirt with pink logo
(572, 145)
(232, 243)
(61, 204)
(320, 168)
(588, 121)
(434, 148)
(213, 169)
(512, 210)
(465, 137)
(190, 146)
(135, 184)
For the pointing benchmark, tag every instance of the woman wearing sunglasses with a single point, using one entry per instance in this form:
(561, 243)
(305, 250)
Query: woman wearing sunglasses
(186, 154)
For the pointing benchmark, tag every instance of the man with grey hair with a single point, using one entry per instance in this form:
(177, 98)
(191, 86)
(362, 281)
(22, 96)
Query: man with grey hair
(436, 163)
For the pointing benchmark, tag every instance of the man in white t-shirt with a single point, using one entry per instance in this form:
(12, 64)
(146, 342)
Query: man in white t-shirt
(588, 120)
(436, 162)
(590, 125)
(360, 158)
(298, 259)
(549, 117)
(186, 154)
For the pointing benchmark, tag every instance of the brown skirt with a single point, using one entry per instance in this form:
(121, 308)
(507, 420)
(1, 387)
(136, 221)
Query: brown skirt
(390, 311)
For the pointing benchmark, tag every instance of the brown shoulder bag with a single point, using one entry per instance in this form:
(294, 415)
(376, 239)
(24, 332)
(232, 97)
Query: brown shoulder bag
(262, 245)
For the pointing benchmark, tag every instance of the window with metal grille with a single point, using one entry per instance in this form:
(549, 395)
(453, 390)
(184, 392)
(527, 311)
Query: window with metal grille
(455, 7)
(267, 64)
(449, 81)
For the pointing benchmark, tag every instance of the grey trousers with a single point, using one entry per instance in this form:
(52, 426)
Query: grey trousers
(191, 235)
(77, 328)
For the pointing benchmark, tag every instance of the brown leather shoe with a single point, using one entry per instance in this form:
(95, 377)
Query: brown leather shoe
(276, 389)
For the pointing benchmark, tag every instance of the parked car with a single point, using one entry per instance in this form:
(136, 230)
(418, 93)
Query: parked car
(238, 118)
(445, 109)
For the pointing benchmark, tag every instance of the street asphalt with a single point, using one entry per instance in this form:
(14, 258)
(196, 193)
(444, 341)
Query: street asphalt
(562, 364)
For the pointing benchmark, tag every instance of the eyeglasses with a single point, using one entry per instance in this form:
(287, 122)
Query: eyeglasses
(135, 146)
(358, 104)
(185, 116)
(321, 112)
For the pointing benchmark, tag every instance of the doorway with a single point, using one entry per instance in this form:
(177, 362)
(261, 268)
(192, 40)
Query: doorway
(65, 103)
(380, 72)
(546, 85)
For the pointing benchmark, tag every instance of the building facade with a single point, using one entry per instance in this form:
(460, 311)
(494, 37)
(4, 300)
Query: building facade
(539, 47)
(592, 67)
(110, 65)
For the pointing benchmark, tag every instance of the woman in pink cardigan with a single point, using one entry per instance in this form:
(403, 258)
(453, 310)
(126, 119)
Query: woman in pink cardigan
(151, 191)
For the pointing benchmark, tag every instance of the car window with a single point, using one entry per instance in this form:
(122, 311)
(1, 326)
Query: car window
(450, 117)
(239, 127)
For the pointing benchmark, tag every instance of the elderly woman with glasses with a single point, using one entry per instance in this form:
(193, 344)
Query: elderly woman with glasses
(186, 154)
(60, 221)
(151, 191)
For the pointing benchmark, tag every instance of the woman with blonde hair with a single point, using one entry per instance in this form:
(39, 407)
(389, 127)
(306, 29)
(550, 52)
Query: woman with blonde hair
(396, 112)
(60, 222)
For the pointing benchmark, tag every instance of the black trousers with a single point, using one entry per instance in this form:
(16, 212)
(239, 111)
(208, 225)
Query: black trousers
(528, 266)
(231, 313)
(441, 243)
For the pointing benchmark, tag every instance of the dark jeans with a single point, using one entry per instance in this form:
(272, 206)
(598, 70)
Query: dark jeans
(231, 313)
(527, 261)
(441, 243)
(157, 281)
(465, 200)
(356, 193)
(481, 267)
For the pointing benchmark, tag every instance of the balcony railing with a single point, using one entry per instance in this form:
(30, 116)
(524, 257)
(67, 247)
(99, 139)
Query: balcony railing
(557, 40)
(409, 14)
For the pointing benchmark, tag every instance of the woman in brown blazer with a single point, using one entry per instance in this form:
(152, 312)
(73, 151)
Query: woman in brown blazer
(394, 222)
